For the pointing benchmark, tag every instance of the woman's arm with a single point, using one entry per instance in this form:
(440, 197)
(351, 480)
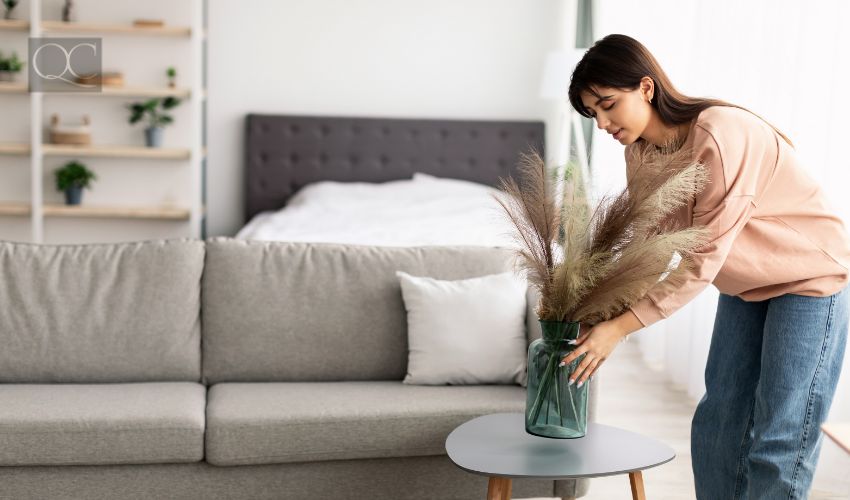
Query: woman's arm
(628, 323)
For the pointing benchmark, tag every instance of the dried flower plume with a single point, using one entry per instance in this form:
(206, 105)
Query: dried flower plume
(592, 266)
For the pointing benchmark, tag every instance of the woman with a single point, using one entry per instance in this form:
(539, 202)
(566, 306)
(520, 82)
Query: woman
(778, 255)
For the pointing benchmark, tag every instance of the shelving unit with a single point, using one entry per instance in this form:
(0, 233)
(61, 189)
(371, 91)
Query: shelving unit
(190, 155)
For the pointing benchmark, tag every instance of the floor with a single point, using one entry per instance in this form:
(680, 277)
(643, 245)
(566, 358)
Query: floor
(641, 400)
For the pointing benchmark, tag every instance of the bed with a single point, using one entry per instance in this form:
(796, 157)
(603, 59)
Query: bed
(381, 181)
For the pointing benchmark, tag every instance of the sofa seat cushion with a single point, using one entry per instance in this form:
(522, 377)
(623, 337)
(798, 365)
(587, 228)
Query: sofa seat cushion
(265, 423)
(74, 424)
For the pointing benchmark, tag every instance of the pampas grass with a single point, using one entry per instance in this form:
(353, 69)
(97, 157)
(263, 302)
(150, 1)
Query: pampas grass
(591, 266)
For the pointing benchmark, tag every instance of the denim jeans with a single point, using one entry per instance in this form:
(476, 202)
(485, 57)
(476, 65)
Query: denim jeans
(770, 378)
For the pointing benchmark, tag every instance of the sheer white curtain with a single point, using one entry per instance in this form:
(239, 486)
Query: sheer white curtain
(788, 62)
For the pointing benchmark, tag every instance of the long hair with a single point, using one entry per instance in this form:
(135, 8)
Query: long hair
(620, 61)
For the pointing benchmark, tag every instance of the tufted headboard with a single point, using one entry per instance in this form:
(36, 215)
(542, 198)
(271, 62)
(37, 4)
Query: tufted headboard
(284, 153)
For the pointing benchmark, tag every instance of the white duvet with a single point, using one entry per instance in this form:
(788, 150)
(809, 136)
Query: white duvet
(424, 210)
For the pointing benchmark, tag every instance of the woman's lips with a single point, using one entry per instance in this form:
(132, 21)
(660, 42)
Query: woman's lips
(618, 134)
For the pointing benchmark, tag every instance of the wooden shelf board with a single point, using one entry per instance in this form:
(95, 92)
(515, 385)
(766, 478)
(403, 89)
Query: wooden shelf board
(100, 151)
(139, 91)
(14, 25)
(102, 211)
(116, 151)
(13, 88)
(12, 148)
(126, 29)
(12, 208)
(143, 92)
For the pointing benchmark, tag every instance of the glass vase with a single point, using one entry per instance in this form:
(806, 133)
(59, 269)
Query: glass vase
(555, 409)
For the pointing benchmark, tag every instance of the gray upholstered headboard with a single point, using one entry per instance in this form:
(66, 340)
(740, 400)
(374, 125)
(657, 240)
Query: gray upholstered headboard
(284, 153)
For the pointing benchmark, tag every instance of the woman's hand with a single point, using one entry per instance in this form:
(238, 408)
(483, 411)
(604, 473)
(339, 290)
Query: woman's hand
(596, 343)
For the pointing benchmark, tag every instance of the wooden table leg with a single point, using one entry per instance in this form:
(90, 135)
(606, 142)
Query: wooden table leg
(499, 488)
(636, 480)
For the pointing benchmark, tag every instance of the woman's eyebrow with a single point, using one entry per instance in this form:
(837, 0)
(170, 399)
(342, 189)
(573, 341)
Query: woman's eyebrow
(603, 98)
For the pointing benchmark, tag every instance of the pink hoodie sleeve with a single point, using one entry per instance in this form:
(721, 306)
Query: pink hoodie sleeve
(724, 207)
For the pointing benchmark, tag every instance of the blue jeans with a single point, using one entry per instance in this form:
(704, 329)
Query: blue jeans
(770, 378)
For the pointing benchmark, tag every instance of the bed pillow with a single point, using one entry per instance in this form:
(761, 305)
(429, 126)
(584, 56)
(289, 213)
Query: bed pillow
(469, 331)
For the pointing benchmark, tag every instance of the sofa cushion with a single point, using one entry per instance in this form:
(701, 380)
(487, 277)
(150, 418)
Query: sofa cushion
(264, 423)
(289, 312)
(69, 424)
(121, 312)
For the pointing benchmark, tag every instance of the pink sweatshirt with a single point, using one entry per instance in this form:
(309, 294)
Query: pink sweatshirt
(772, 230)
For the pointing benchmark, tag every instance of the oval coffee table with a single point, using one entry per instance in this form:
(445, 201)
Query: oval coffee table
(497, 446)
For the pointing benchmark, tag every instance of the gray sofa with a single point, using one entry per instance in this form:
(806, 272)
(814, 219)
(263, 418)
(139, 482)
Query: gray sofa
(230, 369)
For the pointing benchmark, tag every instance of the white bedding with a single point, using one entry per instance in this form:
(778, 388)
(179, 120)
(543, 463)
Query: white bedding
(424, 210)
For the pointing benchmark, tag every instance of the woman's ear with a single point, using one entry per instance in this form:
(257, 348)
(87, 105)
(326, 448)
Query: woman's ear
(647, 88)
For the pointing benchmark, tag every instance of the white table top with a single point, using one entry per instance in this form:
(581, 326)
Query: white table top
(498, 445)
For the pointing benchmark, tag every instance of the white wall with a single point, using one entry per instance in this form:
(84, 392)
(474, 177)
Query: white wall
(471, 59)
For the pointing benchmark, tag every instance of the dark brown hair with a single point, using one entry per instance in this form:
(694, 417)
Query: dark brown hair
(620, 61)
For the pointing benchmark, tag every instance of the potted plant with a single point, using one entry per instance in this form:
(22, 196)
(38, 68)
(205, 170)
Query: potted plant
(171, 73)
(9, 67)
(154, 109)
(590, 266)
(10, 5)
(72, 178)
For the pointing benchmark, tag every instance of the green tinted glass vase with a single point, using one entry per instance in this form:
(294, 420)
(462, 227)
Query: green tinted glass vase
(554, 408)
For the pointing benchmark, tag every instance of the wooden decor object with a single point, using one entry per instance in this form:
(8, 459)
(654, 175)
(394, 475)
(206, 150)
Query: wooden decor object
(108, 79)
(70, 134)
(148, 23)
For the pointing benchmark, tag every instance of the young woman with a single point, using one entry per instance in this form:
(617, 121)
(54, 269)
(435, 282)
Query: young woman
(778, 255)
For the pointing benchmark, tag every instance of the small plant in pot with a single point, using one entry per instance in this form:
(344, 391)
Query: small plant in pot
(9, 67)
(171, 73)
(10, 5)
(72, 178)
(154, 110)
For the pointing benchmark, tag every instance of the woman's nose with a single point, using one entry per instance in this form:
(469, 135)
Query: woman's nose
(599, 122)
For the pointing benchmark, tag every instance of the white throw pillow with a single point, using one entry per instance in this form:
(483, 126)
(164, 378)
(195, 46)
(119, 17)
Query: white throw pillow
(469, 331)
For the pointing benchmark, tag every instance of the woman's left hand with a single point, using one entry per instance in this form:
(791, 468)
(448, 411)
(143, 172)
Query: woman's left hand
(596, 344)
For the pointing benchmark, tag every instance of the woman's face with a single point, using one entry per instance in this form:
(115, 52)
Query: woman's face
(625, 114)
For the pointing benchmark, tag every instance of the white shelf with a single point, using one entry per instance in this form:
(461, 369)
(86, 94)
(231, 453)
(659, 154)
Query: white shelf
(120, 29)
